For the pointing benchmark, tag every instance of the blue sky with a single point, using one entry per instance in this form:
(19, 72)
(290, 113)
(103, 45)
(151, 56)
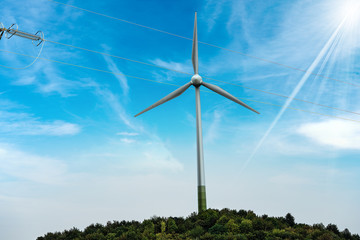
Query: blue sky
(71, 152)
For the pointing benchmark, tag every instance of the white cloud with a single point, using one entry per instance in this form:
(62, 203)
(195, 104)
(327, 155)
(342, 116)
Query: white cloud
(215, 8)
(114, 68)
(213, 128)
(170, 75)
(127, 140)
(158, 158)
(6, 104)
(26, 81)
(114, 103)
(25, 124)
(172, 65)
(46, 78)
(335, 133)
(154, 154)
(30, 167)
(127, 133)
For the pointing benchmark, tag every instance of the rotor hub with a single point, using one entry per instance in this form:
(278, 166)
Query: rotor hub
(196, 80)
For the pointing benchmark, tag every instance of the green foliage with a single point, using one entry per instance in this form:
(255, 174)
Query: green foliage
(211, 224)
(163, 226)
(290, 220)
(333, 228)
(149, 229)
(217, 229)
(231, 226)
(196, 232)
(245, 226)
(171, 225)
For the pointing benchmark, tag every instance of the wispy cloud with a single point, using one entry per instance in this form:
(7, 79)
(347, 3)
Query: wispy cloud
(154, 155)
(181, 67)
(214, 8)
(121, 79)
(47, 79)
(213, 128)
(170, 75)
(127, 133)
(6, 104)
(26, 124)
(127, 140)
(335, 133)
(113, 101)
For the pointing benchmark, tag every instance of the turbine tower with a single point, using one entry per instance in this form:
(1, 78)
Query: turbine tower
(196, 81)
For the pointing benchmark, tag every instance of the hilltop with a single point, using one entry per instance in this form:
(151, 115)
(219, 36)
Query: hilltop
(211, 224)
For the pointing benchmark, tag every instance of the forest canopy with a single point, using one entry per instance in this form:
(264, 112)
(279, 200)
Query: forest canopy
(211, 224)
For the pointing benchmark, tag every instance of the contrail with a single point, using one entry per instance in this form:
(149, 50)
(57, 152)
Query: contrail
(296, 90)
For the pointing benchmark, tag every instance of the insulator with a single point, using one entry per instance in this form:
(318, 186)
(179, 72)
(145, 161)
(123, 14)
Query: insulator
(2, 30)
(10, 32)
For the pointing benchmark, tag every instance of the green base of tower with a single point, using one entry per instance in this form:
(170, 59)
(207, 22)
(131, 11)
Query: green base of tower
(201, 198)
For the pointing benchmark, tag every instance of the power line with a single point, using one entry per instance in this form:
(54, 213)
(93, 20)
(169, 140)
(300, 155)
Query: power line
(36, 38)
(114, 56)
(89, 68)
(213, 79)
(209, 44)
(122, 20)
(149, 80)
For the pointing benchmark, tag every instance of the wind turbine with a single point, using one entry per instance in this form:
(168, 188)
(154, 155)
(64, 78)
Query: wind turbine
(196, 81)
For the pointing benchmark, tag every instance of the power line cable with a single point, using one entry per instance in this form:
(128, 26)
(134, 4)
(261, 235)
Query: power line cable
(114, 56)
(89, 68)
(213, 79)
(29, 65)
(149, 80)
(209, 44)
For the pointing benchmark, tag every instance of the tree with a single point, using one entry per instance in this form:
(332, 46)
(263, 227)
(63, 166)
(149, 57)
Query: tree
(95, 236)
(333, 228)
(72, 233)
(149, 229)
(346, 234)
(217, 229)
(209, 218)
(110, 236)
(171, 226)
(132, 235)
(319, 226)
(245, 226)
(251, 215)
(258, 224)
(211, 224)
(93, 228)
(223, 220)
(162, 235)
(290, 220)
(326, 236)
(231, 226)
(196, 232)
(356, 237)
(163, 227)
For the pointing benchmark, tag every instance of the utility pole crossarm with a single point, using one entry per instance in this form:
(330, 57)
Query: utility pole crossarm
(2, 30)
(10, 32)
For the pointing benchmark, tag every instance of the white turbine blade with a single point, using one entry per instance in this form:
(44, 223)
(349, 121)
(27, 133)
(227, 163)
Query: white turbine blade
(172, 95)
(227, 95)
(194, 56)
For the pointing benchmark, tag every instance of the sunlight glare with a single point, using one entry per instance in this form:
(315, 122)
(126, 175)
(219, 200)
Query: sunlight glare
(350, 10)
